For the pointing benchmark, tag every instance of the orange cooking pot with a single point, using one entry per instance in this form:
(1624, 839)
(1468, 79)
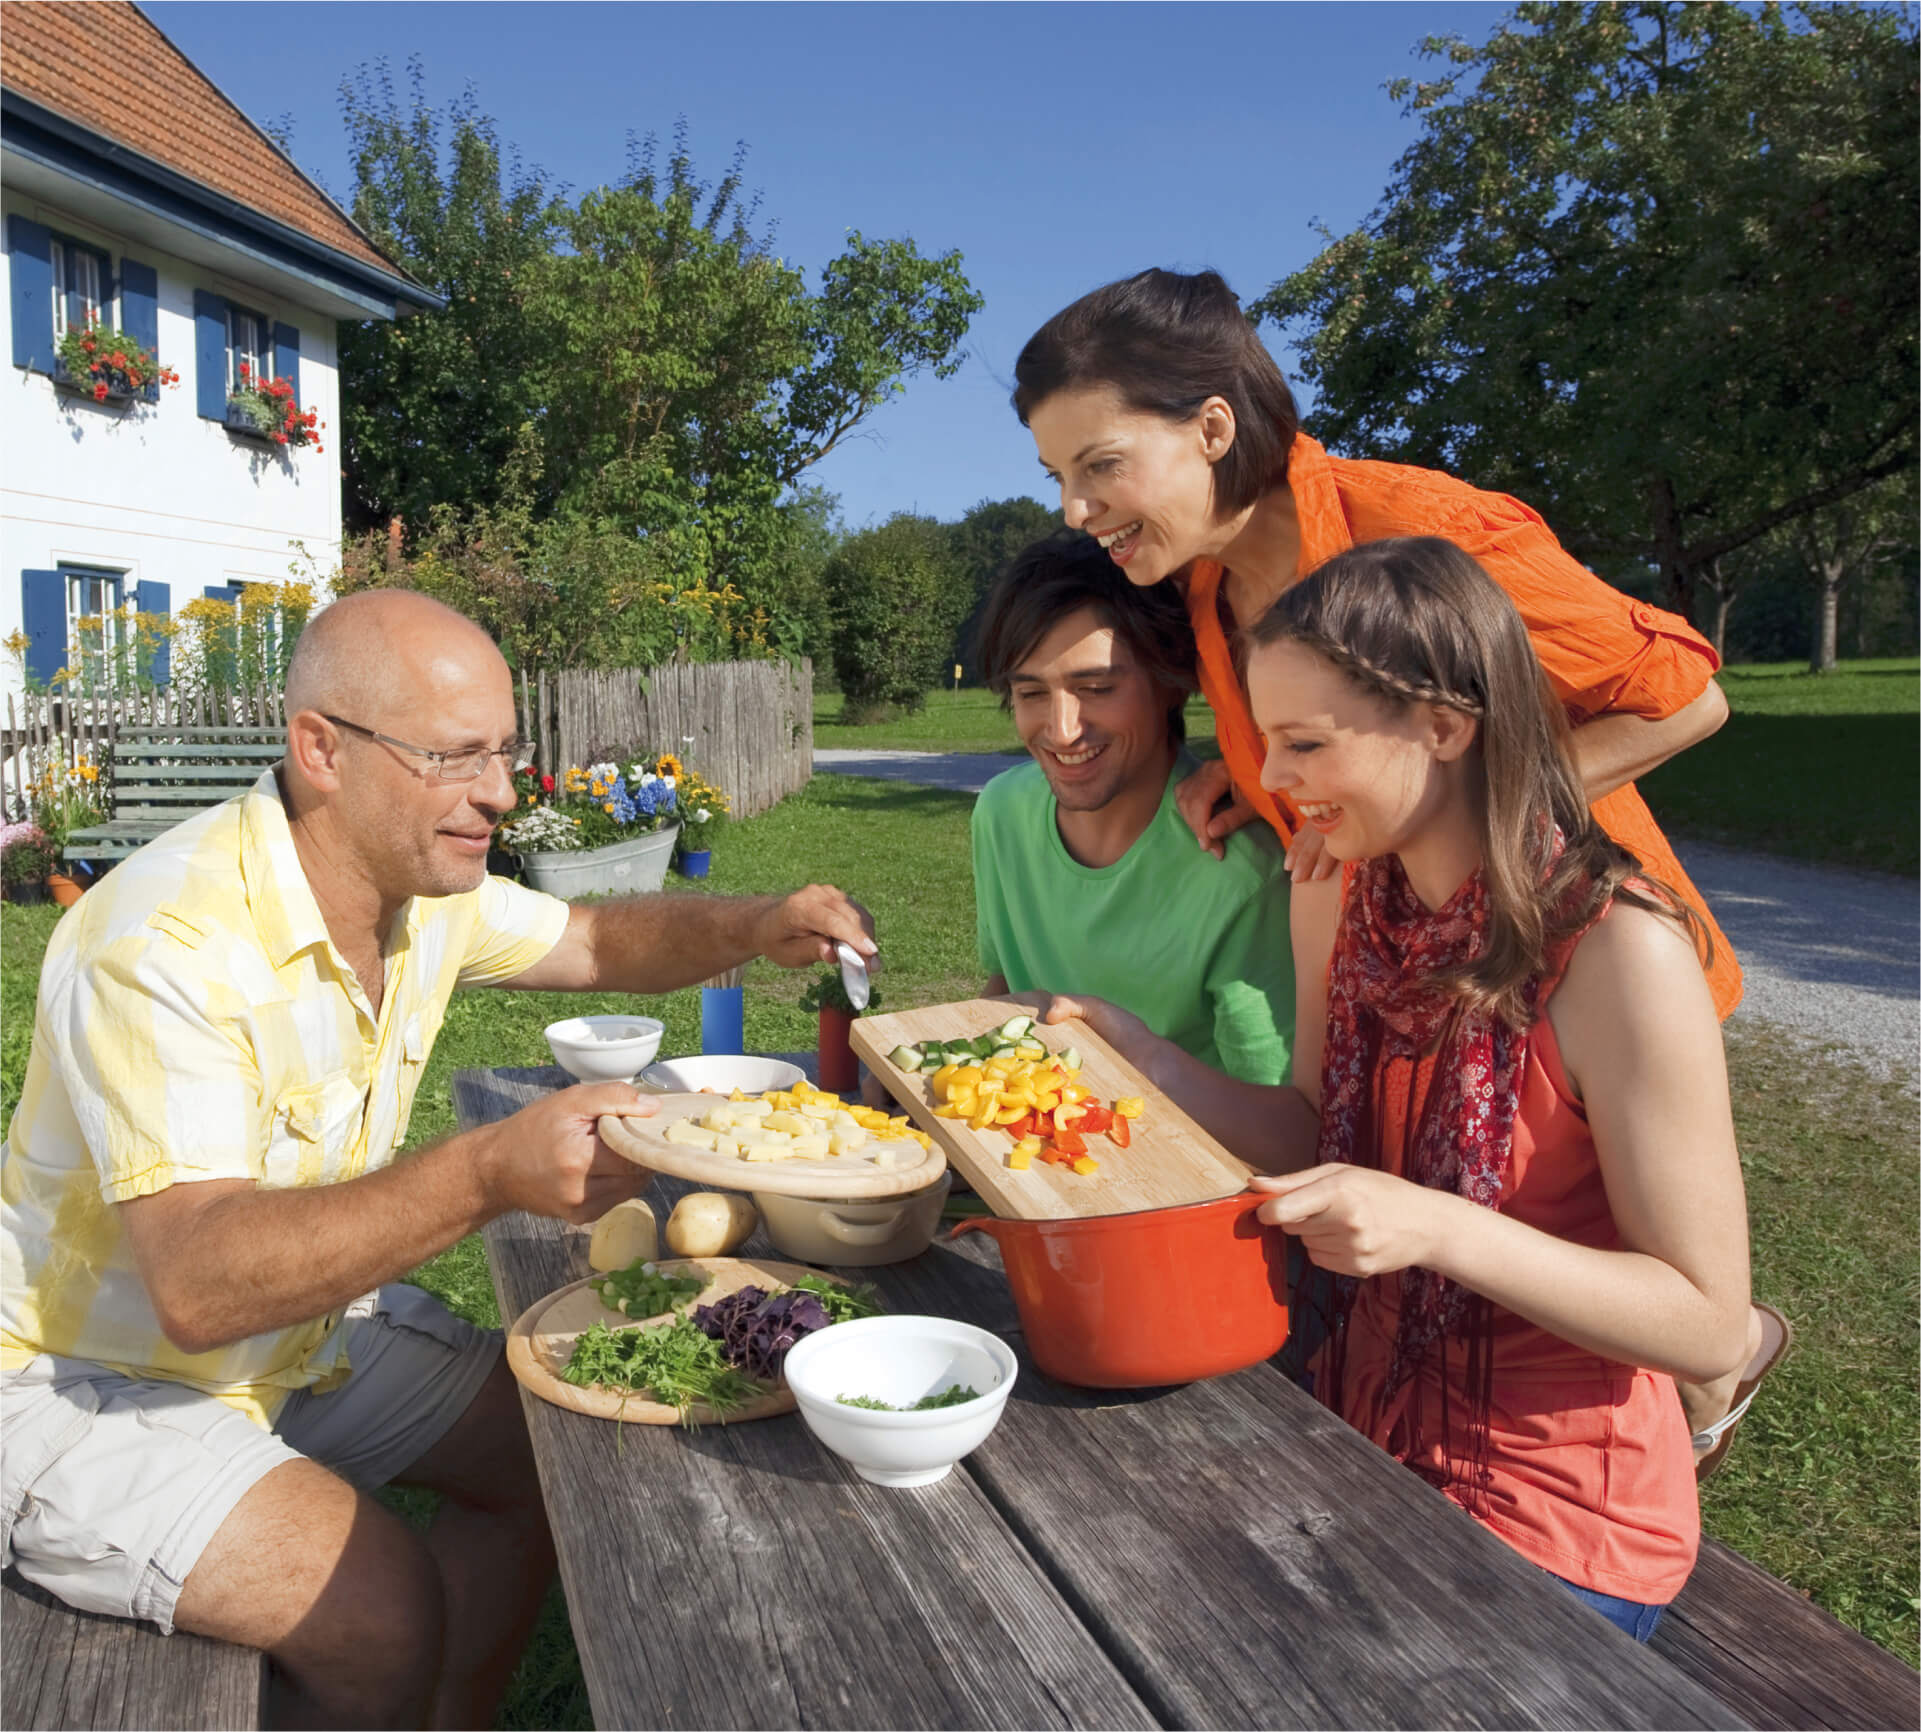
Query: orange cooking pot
(1158, 1296)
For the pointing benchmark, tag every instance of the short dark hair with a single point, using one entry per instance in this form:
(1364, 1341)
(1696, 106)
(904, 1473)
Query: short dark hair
(1167, 343)
(1062, 573)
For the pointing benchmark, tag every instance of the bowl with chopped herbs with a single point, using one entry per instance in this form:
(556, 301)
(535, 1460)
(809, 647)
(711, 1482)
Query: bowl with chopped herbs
(689, 1340)
(901, 1399)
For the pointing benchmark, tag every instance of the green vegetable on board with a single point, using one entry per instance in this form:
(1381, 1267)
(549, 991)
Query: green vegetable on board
(676, 1363)
(640, 1290)
(842, 1304)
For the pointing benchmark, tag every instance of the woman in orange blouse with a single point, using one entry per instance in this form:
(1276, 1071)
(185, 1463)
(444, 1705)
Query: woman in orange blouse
(1174, 440)
(1176, 443)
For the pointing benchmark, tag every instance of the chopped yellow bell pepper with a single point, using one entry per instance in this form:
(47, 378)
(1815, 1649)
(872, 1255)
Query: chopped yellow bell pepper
(1085, 1164)
(1047, 1100)
(1131, 1108)
(1011, 1114)
(983, 1114)
(1067, 1112)
(1021, 1156)
(1076, 1092)
(968, 1076)
(942, 1078)
(950, 1110)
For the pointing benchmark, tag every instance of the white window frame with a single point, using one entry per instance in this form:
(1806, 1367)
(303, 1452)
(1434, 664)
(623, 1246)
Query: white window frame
(86, 262)
(112, 583)
(260, 365)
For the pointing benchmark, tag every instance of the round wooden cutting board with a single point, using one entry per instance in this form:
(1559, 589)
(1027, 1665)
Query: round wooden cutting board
(542, 1341)
(840, 1178)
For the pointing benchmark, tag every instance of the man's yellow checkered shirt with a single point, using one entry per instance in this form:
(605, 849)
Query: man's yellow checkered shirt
(196, 1022)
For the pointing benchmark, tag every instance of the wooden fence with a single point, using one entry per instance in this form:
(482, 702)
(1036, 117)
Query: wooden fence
(747, 727)
(44, 727)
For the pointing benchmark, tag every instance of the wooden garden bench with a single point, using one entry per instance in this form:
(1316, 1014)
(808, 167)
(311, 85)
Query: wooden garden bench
(1776, 1658)
(59, 1667)
(165, 774)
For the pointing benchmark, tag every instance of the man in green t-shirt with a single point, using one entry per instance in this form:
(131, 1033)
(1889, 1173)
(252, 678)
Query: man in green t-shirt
(1086, 876)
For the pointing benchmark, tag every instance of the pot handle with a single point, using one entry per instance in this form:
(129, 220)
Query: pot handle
(859, 1232)
(987, 1224)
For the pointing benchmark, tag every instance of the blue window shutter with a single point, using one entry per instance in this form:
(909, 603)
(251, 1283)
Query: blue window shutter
(156, 598)
(210, 354)
(43, 615)
(223, 592)
(140, 314)
(286, 357)
(31, 267)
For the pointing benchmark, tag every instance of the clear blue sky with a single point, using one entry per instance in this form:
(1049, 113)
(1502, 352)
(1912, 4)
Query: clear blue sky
(1058, 146)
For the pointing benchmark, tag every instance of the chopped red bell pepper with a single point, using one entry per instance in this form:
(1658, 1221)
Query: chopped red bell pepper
(1070, 1142)
(1095, 1120)
(1118, 1133)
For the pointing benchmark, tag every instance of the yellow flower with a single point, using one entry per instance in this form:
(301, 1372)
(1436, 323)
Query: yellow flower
(670, 765)
(608, 808)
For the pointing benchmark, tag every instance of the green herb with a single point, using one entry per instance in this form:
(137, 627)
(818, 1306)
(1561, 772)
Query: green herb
(639, 1291)
(952, 1396)
(675, 1363)
(842, 1304)
(825, 992)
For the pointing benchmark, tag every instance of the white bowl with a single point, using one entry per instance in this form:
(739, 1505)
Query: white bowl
(720, 1072)
(605, 1048)
(899, 1360)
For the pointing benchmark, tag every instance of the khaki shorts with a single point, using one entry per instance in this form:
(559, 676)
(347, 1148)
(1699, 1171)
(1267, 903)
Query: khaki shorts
(110, 1487)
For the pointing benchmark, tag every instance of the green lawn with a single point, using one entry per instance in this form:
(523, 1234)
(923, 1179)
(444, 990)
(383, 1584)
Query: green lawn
(1822, 768)
(1820, 1487)
(1852, 734)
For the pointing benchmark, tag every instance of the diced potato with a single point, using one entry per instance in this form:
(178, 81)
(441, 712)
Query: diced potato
(727, 1144)
(754, 1109)
(719, 1119)
(819, 1111)
(785, 1121)
(809, 1148)
(844, 1141)
(693, 1135)
(766, 1151)
(883, 1155)
(843, 1120)
(752, 1136)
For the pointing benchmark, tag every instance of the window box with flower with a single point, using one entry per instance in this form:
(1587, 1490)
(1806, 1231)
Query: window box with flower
(268, 410)
(596, 830)
(108, 366)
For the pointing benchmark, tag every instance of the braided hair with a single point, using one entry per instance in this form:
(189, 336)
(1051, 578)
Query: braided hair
(1415, 620)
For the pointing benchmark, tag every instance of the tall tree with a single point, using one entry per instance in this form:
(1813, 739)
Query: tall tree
(982, 542)
(1844, 544)
(896, 601)
(1652, 267)
(432, 405)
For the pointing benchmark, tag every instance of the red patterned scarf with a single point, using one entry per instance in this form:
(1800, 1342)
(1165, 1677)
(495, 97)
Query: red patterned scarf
(1383, 1004)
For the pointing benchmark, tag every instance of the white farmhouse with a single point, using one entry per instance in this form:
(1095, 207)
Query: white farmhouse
(135, 195)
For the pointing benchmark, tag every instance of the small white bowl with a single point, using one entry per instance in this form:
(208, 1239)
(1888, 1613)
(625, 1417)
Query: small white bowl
(605, 1048)
(900, 1360)
(720, 1072)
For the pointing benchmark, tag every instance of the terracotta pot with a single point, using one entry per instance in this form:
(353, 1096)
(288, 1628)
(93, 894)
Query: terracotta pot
(1155, 1297)
(839, 1069)
(66, 890)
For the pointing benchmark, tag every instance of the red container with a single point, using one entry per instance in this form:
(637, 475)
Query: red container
(1158, 1296)
(839, 1068)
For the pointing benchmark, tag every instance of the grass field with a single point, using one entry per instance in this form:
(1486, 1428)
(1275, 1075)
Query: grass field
(1820, 1487)
(1851, 734)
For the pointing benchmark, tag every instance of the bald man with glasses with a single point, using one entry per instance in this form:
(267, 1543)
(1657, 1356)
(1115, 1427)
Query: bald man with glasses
(208, 1358)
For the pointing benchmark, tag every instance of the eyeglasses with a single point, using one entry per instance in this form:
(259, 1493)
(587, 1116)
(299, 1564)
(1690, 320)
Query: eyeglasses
(466, 765)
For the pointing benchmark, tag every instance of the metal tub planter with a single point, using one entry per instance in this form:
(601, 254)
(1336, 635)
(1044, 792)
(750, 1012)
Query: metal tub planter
(621, 868)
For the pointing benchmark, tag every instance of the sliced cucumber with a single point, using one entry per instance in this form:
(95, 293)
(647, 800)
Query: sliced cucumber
(906, 1057)
(932, 1063)
(1015, 1026)
(983, 1045)
(1030, 1048)
(1070, 1059)
(1004, 1052)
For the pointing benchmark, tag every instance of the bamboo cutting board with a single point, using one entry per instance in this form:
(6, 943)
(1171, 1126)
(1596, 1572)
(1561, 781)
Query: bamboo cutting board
(1171, 1161)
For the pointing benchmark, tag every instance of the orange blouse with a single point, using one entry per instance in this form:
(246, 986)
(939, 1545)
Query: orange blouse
(1591, 1469)
(1604, 652)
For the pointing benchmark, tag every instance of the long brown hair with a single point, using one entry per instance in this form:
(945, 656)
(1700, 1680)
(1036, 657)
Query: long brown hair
(1166, 343)
(1415, 620)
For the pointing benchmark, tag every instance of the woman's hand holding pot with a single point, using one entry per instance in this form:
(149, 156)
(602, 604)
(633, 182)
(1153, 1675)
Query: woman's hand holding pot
(1355, 1220)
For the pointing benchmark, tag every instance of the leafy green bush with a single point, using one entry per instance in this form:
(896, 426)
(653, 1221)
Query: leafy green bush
(897, 600)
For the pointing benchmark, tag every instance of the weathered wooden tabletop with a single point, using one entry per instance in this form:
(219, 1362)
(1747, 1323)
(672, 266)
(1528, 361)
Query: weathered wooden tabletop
(1226, 1553)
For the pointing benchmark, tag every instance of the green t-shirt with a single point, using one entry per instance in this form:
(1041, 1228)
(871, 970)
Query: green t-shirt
(1198, 948)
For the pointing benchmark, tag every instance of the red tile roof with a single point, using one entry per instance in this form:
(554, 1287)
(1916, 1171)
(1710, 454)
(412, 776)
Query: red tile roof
(103, 65)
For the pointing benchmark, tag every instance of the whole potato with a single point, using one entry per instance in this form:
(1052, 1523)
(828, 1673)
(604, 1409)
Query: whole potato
(625, 1235)
(710, 1223)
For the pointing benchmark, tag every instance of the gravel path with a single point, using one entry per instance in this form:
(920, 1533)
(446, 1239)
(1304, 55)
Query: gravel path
(1833, 956)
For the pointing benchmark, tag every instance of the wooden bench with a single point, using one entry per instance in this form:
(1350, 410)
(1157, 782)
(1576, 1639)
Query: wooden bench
(164, 775)
(1777, 1659)
(59, 1667)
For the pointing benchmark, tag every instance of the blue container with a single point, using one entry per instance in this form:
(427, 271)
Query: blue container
(694, 863)
(723, 1019)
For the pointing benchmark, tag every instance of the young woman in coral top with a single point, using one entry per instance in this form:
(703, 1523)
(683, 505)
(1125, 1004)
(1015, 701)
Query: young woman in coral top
(1175, 441)
(1523, 1166)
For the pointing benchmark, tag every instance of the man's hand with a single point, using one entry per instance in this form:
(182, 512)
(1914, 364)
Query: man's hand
(548, 1158)
(1356, 1220)
(805, 926)
(1196, 799)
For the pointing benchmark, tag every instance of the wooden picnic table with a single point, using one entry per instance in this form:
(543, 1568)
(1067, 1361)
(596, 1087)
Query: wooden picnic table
(1226, 1553)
